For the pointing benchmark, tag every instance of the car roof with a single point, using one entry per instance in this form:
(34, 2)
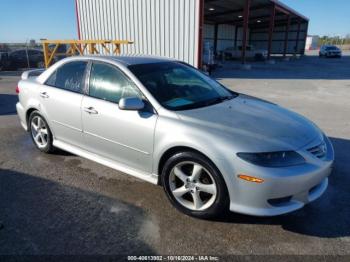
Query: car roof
(128, 60)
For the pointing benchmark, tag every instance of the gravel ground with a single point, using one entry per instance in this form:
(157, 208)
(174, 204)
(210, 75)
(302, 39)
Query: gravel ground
(65, 205)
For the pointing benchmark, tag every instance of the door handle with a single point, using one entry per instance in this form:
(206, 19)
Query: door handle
(90, 110)
(44, 95)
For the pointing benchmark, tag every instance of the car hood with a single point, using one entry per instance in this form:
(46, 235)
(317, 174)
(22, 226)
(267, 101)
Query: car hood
(254, 125)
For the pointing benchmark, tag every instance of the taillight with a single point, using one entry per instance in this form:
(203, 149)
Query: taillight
(17, 90)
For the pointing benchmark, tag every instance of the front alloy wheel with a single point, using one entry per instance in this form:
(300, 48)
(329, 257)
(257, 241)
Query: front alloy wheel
(194, 185)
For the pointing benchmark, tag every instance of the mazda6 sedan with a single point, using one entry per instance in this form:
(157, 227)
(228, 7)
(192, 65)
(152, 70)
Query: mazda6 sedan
(165, 122)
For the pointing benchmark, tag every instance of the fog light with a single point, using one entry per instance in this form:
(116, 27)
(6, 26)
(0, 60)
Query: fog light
(251, 179)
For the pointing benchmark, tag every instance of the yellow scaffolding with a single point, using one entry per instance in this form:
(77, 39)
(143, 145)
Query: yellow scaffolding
(80, 47)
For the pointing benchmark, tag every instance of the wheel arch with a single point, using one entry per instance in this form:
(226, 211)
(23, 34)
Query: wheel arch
(173, 151)
(28, 113)
(222, 201)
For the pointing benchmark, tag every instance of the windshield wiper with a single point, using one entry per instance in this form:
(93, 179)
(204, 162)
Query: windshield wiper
(205, 103)
(226, 98)
(219, 100)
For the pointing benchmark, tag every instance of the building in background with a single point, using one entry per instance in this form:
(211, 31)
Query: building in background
(32, 43)
(181, 28)
(312, 42)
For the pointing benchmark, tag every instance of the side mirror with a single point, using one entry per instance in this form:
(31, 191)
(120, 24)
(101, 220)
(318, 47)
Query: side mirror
(131, 104)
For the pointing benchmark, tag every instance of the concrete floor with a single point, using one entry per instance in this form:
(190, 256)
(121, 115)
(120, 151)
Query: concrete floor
(63, 204)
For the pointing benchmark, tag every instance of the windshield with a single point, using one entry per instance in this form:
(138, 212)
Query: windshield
(180, 87)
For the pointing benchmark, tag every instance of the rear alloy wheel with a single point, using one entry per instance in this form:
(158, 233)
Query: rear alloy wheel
(194, 185)
(40, 133)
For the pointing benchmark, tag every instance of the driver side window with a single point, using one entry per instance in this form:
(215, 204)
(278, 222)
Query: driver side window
(110, 84)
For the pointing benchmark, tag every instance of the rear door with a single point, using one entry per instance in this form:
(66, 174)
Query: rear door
(61, 97)
(123, 136)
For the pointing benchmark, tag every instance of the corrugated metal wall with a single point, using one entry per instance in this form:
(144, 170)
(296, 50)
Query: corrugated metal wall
(259, 39)
(226, 35)
(157, 27)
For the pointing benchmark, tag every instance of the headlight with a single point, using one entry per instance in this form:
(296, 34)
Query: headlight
(273, 159)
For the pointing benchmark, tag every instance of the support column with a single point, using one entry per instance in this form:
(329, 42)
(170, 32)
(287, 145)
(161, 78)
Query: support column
(236, 35)
(200, 34)
(286, 37)
(216, 31)
(298, 36)
(271, 29)
(245, 29)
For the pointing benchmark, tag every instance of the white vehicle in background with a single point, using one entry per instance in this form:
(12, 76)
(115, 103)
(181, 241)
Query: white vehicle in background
(330, 51)
(251, 52)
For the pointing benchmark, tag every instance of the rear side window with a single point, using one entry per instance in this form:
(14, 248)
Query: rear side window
(110, 84)
(69, 77)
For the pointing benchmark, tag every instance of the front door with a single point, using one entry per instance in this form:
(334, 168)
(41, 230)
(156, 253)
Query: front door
(122, 136)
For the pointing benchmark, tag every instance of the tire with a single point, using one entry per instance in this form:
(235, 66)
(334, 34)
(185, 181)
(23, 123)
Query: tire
(40, 133)
(179, 175)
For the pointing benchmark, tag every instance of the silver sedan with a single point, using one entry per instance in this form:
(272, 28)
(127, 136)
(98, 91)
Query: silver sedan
(165, 122)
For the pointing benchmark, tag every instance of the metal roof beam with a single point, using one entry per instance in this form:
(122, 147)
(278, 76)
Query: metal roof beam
(251, 19)
(279, 6)
(236, 11)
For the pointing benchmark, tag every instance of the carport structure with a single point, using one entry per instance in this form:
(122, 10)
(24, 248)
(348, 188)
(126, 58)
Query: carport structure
(188, 30)
(264, 24)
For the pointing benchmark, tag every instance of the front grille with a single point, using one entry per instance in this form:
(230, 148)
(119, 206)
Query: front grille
(319, 151)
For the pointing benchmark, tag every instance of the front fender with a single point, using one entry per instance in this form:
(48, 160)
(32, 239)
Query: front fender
(171, 133)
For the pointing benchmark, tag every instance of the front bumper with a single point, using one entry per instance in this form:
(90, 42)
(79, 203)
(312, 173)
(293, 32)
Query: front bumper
(284, 189)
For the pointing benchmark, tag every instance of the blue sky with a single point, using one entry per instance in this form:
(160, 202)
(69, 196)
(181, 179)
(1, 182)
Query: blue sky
(327, 17)
(21, 20)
